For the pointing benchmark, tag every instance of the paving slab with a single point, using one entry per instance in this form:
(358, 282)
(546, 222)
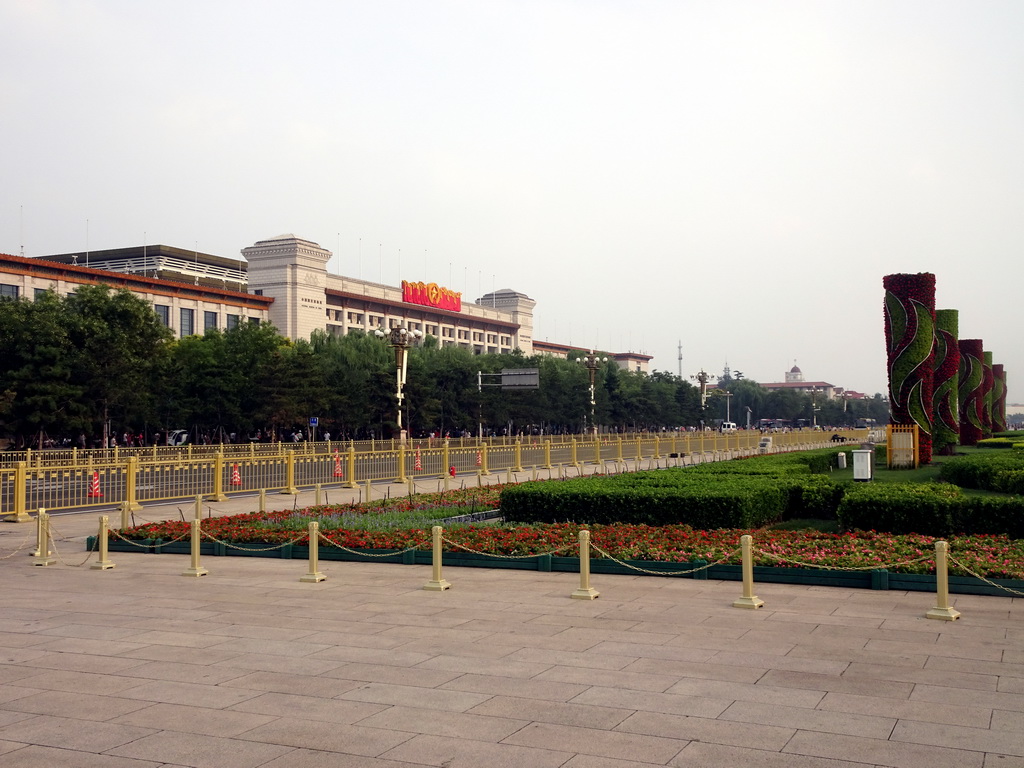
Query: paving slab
(139, 667)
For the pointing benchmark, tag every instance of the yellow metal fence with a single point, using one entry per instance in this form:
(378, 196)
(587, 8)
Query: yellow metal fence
(129, 481)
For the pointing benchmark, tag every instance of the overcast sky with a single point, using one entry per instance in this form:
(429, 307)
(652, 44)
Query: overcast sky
(737, 176)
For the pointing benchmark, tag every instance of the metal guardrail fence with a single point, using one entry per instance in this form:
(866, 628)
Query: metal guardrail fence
(82, 480)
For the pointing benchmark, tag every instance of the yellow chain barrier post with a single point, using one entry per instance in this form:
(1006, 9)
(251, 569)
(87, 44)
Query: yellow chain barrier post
(125, 510)
(103, 564)
(597, 451)
(197, 510)
(749, 599)
(195, 569)
(942, 610)
(263, 499)
(436, 583)
(318, 490)
(401, 463)
(289, 483)
(132, 484)
(20, 491)
(445, 462)
(412, 487)
(518, 456)
(369, 489)
(572, 454)
(657, 447)
(314, 576)
(547, 455)
(218, 478)
(43, 555)
(585, 592)
(484, 460)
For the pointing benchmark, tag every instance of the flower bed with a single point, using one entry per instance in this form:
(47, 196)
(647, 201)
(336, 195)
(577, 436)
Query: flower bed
(990, 556)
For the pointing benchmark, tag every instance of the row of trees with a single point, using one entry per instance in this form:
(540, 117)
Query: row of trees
(100, 360)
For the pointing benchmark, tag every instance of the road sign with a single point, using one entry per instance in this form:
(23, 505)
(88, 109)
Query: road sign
(520, 378)
(314, 421)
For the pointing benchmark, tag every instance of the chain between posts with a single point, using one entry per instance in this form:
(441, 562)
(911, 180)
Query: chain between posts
(24, 543)
(982, 578)
(845, 567)
(88, 557)
(326, 540)
(623, 563)
(455, 544)
(113, 532)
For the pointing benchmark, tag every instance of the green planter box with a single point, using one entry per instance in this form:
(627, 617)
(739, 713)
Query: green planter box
(879, 579)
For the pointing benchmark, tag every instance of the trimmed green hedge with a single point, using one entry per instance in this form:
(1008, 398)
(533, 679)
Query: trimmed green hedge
(748, 493)
(932, 509)
(997, 442)
(1001, 472)
(707, 502)
(758, 491)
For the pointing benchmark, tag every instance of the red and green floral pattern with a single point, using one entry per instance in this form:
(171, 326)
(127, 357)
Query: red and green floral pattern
(972, 380)
(945, 401)
(999, 398)
(909, 336)
(988, 385)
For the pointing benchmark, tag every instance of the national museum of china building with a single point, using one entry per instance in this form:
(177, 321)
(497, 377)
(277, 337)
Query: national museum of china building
(284, 281)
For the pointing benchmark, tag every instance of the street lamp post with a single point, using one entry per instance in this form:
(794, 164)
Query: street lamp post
(400, 338)
(592, 361)
(814, 408)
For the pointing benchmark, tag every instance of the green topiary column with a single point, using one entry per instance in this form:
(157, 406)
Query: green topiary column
(945, 395)
(909, 336)
(988, 384)
(999, 398)
(972, 380)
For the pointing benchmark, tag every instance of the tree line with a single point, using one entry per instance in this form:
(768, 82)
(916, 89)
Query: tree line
(99, 363)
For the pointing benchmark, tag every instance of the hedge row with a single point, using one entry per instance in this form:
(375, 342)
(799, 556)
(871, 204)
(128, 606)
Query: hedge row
(929, 509)
(754, 492)
(1001, 442)
(747, 493)
(1001, 472)
(703, 502)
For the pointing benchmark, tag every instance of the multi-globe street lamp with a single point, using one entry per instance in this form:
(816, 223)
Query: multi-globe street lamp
(400, 338)
(592, 362)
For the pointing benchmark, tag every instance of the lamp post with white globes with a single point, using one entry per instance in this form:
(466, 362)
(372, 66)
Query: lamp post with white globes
(400, 338)
(592, 361)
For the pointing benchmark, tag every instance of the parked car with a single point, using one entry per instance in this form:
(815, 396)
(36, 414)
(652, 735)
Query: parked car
(177, 437)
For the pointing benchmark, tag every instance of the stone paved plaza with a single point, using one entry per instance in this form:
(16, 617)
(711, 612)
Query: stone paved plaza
(139, 667)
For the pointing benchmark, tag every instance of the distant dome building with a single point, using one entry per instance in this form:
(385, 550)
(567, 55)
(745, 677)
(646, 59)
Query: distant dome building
(794, 374)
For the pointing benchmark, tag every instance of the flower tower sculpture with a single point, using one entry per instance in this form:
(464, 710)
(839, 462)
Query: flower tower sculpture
(945, 396)
(909, 336)
(988, 385)
(999, 398)
(972, 381)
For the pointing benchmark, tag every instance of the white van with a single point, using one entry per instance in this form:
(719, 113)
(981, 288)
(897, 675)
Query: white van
(727, 427)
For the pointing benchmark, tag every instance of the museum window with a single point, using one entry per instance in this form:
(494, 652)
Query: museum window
(187, 324)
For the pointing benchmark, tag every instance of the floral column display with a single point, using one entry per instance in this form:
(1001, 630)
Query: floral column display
(909, 337)
(999, 398)
(986, 402)
(972, 380)
(945, 396)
